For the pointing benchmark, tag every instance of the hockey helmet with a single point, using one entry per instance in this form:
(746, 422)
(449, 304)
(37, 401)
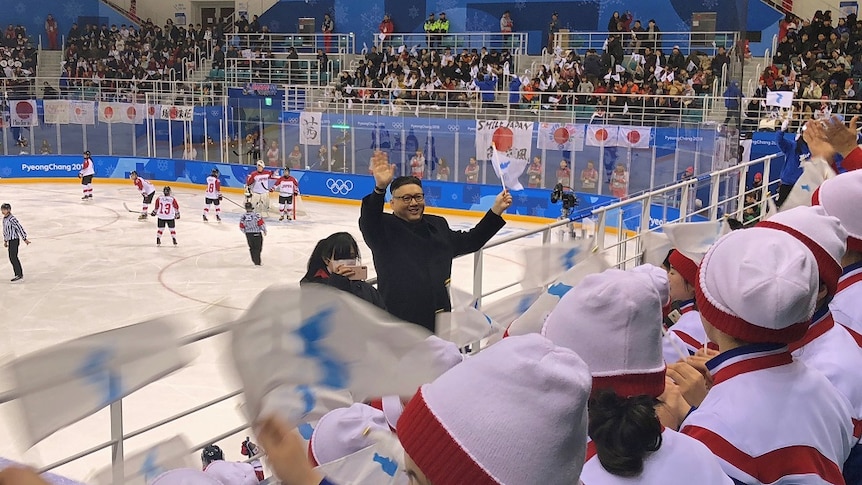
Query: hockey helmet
(167, 190)
(260, 163)
(133, 174)
(215, 172)
(211, 453)
(87, 154)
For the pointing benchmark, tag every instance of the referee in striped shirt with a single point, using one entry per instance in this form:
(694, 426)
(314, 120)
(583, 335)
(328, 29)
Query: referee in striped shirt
(252, 224)
(13, 234)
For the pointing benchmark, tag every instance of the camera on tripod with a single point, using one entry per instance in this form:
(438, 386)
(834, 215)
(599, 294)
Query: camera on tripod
(564, 194)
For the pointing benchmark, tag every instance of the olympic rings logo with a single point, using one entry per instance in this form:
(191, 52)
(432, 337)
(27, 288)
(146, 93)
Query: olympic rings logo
(454, 128)
(339, 187)
(397, 125)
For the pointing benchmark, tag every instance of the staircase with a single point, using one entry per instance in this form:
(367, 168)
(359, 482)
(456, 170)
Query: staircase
(49, 68)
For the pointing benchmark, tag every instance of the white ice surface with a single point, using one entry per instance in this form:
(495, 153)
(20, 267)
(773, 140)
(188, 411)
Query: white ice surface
(92, 266)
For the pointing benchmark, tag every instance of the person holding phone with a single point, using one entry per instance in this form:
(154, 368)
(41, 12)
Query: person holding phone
(336, 262)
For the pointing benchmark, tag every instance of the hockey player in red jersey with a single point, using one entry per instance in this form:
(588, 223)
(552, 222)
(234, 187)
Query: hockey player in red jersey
(288, 188)
(213, 195)
(86, 175)
(168, 213)
(147, 190)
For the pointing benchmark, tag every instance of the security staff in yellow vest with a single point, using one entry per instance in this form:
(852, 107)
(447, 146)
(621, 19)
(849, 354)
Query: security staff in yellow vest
(442, 27)
(430, 29)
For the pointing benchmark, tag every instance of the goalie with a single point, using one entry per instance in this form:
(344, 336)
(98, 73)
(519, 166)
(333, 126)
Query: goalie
(257, 187)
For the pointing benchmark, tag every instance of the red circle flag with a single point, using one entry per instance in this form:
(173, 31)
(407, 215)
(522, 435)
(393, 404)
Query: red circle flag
(152, 110)
(131, 112)
(24, 109)
(633, 137)
(561, 136)
(503, 139)
(108, 112)
(601, 134)
(173, 113)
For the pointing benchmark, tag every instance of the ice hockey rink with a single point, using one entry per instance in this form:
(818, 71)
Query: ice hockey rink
(92, 266)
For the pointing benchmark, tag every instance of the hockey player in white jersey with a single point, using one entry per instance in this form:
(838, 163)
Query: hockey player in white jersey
(147, 190)
(288, 188)
(168, 211)
(257, 186)
(213, 195)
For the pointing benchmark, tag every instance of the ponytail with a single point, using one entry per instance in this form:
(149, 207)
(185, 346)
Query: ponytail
(624, 430)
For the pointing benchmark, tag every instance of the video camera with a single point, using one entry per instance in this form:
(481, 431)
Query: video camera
(564, 194)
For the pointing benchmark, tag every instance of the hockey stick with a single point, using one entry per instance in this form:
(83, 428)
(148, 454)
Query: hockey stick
(130, 210)
(234, 203)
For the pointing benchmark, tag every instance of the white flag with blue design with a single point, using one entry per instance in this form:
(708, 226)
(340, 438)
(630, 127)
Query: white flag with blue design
(814, 172)
(379, 464)
(782, 99)
(318, 336)
(534, 318)
(144, 466)
(656, 246)
(546, 263)
(509, 308)
(72, 380)
(465, 324)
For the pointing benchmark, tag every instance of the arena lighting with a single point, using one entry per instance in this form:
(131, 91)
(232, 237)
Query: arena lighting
(341, 127)
(267, 101)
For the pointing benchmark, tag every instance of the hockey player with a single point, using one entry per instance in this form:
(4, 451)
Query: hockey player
(213, 195)
(250, 450)
(148, 191)
(233, 472)
(86, 175)
(168, 212)
(254, 228)
(257, 186)
(287, 187)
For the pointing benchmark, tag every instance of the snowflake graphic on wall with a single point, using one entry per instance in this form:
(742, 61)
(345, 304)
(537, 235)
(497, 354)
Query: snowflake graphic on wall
(370, 18)
(479, 22)
(274, 26)
(72, 10)
(521, 5)
(312, 2)
(608, 7)
(413, 12)
(710, 4)
(340, 11)
(443, 5)
(38, 20)
(683, 25)
(20, 8)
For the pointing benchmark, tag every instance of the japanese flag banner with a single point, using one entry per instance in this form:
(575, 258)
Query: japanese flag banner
(693, 239)
(82, 113)
(72, 380)
(318, 336)
(634, 136)
(546, 263)
(507, 144)
(561, 136)
(126, 113)
(145, 465)
(177, 113)
(815, 171)
(56, 111)
(23, 113)
(534, 318)
(602, 135)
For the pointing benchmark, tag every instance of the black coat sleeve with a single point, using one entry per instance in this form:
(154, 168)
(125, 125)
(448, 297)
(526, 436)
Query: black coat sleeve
(371, 220)
(473, 240)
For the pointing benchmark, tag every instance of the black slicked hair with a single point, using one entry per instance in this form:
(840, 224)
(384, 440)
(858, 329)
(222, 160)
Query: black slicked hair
(406, 180)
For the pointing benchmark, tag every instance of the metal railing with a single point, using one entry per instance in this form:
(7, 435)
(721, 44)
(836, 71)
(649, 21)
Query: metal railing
(168, 90)
(707, 42)
(624, 252)
(306, 70)
(514, 42)
(637, 109)
(302, 43)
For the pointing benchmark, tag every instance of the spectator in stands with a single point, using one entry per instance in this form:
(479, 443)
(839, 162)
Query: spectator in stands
(653, 35)
(52, 31)
(720, 60)
(386, 28)
(614, 23)
(507, 25)
(335, 262)
(553, 28)
(328, 27)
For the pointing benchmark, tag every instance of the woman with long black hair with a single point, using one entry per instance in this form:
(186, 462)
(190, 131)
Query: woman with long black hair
(335, 261)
